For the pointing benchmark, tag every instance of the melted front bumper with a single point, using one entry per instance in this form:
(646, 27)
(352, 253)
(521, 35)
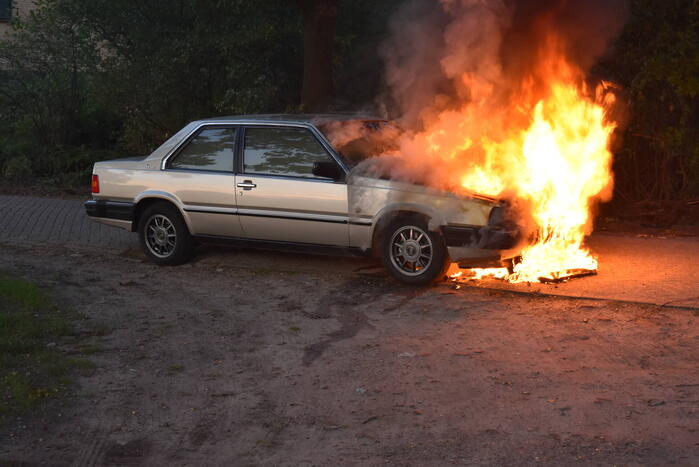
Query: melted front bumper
(474, 246)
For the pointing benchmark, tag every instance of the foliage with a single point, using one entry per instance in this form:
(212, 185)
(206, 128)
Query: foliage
(361, 28)
(18, 169)
(84, 76)
(84, 80)
(165, 63)
(45, 105)
(656, 60)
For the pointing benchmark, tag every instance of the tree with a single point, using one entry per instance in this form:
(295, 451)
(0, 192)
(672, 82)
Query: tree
(320, 19)
(656, 60)
(46, 67)
(168, 62)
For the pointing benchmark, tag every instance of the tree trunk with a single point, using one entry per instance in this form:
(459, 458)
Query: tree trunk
(320, 17)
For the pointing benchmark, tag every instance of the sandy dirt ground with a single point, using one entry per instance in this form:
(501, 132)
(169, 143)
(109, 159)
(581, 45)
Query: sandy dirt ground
(214, 364)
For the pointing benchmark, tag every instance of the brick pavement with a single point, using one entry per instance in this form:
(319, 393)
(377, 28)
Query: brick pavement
(58, 221)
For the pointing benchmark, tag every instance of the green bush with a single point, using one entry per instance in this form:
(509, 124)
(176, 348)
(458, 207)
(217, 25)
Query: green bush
(18, 169)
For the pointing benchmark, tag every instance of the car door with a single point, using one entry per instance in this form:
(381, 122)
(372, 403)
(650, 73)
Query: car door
(201, 174)
(278, 196)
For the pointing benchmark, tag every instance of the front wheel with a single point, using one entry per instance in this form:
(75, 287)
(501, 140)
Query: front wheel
(164, 235)
(413, 254)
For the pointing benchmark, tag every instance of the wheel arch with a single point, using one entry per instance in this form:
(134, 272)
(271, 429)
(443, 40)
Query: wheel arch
(149, 198)
(391, 213)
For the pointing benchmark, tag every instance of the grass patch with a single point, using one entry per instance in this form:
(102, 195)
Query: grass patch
(32, 367)
(22, 294)
(174, 369)
(89, 348)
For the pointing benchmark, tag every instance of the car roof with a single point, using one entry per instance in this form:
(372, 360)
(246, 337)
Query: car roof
(296, 118)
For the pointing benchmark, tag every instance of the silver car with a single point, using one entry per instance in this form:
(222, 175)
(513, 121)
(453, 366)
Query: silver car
(277, 181)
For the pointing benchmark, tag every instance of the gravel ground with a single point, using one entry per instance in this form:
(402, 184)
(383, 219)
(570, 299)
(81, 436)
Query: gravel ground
(212, 364)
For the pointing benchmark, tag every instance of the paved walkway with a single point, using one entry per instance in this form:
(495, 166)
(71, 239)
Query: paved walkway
(660, 271)
(56, 221)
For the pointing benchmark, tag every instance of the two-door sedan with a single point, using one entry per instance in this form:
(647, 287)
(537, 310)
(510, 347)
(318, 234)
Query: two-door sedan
(277, 181)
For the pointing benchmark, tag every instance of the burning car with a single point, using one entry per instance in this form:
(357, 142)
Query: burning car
(279, 181)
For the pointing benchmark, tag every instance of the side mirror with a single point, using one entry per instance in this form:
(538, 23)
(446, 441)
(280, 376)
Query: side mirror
(327, 170)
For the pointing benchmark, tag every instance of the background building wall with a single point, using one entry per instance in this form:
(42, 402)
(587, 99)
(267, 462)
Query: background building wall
(19, 8)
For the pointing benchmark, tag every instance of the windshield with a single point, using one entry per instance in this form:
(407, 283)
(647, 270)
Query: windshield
(359, 140)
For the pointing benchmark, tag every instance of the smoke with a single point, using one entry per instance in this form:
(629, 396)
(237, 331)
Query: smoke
(494, 97)
(441, 54)
(462, 74)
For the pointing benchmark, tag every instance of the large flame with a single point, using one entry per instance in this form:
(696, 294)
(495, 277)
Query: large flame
(563, 163)
(548, 148)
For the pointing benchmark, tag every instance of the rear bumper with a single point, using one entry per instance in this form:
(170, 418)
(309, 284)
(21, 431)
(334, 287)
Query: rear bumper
(115, 213)
(475, 246)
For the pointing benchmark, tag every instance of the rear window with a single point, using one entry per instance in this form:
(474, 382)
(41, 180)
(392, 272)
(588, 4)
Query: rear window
(211, 149)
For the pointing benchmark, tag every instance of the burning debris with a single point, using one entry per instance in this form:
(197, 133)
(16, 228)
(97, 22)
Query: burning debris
(556, 277)
(499, 102)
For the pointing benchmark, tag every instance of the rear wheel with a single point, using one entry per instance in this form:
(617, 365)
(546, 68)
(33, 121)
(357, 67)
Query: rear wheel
(413, 254)
(164, 236)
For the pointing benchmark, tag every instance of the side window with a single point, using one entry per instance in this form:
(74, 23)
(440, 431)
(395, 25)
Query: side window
(211, 149)
(289, 152)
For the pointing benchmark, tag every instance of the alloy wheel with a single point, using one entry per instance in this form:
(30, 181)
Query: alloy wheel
(161, 236)
(411, 250)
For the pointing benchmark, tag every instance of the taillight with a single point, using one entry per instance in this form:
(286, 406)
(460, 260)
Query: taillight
(95, 184)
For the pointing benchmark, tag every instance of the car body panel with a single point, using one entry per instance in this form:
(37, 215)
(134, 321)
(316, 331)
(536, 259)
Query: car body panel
(206, 200)
(375, 199)
(295, 210)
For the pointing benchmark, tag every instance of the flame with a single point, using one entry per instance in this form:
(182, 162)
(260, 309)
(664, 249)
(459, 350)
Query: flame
(565, 164)
(548, 147)
(496, 273)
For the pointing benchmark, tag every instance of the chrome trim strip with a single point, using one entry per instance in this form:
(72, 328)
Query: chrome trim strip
(295, 211)
(463, 226)
(296, 179)
(362, 222)
(205, 171)
(163, 162)
(277, 214)
(209, 209)
(293, 215)
(271, 216)
(203, 211)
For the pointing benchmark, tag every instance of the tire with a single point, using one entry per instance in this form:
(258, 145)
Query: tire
(412, 253)
(164, 236)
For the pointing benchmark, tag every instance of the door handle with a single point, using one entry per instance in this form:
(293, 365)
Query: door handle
(247, 185)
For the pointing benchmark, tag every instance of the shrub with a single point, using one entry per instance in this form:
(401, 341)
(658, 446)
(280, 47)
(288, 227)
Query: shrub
(18, 169)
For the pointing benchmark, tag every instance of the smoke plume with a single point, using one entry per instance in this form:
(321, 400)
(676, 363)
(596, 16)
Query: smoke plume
(474, 70)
